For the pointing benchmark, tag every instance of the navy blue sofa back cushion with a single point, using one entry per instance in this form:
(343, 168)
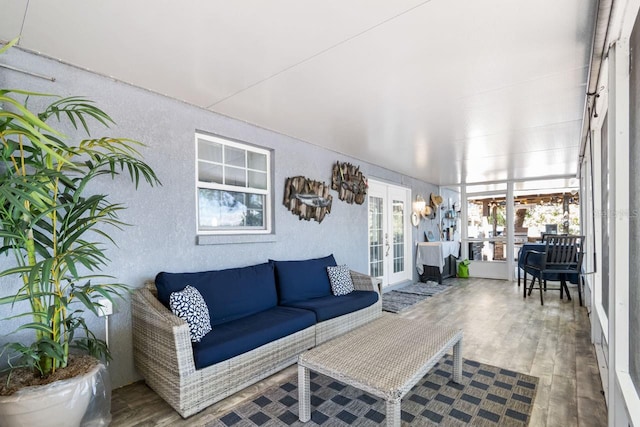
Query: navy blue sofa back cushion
(230, 294)
(302, 280)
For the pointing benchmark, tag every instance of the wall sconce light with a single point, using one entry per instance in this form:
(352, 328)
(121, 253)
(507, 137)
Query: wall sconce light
(419, 205)
(422, 208)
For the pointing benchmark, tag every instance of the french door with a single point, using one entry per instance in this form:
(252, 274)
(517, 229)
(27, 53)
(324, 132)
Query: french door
(389, 233)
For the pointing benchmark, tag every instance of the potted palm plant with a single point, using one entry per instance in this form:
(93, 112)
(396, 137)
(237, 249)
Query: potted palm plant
(54, 231)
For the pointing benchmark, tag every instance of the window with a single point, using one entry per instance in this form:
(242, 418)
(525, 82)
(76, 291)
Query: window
(486, 227)
(233, 186)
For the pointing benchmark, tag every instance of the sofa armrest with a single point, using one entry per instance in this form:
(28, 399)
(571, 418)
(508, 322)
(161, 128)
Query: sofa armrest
(364, 282)
(161, 340)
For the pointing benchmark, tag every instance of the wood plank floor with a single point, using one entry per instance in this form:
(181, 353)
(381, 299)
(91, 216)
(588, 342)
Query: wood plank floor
(501, 328)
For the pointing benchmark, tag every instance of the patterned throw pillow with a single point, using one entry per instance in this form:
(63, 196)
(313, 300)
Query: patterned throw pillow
(340, 279)
(189, 305)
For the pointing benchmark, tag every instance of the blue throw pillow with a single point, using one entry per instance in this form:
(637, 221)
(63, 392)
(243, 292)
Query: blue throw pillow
(302, 280)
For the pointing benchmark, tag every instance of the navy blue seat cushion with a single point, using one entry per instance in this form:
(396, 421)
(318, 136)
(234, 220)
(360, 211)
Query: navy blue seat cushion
(332, 306)
(230, 294)
(302, 280)
(239, 336)
(572, 278)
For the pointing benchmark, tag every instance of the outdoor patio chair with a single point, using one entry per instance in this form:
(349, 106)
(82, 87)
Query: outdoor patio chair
(560, 261)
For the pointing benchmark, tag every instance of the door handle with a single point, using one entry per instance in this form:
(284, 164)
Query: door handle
(386, 244)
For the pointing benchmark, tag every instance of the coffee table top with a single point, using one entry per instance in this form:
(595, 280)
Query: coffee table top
(385, 357)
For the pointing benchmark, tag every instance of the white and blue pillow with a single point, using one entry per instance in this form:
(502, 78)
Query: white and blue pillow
(189, 305)
(340, 279)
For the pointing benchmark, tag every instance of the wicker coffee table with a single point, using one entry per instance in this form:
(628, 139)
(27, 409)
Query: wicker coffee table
(385, 358)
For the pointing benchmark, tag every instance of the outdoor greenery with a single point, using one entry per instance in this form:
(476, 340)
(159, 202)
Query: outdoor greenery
(539, 215)
(52, 224)
(536, 216)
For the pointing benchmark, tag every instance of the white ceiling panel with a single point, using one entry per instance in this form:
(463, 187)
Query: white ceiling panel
(199, 51)
(12, 17)
(447, 91)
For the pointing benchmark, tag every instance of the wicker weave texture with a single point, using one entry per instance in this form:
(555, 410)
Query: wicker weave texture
(332, 328)
(363, 282)
(394, 413)
(164, 356)
(385, 357)
(304, 396)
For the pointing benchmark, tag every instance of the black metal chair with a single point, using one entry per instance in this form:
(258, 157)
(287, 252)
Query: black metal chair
(561, 259)
(547, 236)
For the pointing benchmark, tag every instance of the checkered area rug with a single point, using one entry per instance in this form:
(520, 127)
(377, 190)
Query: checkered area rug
(489, 396)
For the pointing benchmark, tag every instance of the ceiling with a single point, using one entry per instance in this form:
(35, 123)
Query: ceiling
(447, 91)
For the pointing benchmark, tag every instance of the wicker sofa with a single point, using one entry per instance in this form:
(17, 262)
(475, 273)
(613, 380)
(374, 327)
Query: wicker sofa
(192, 376)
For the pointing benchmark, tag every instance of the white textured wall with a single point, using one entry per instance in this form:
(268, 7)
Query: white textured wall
(163, 233)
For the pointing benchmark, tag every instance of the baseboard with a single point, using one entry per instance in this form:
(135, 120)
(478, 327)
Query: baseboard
(604, 370)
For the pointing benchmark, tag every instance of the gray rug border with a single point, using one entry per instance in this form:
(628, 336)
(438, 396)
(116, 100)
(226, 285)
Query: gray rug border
(402, 299)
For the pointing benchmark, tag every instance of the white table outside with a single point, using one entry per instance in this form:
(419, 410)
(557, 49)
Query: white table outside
(385, 358)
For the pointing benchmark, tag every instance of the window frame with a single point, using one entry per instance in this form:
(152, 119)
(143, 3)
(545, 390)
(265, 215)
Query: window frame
(266, 192)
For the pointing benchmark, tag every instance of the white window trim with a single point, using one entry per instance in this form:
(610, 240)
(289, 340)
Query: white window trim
(268, 206)
(601, 315)
(624, 401)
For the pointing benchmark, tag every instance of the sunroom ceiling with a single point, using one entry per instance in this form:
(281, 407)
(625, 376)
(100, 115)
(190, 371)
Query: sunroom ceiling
(448, 91)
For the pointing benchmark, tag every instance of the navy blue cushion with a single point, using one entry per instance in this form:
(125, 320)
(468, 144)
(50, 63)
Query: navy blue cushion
(230, 294)
(332, 306)
(239, 336)
(302, 280)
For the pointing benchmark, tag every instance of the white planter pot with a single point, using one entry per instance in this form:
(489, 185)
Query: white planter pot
(62, 403)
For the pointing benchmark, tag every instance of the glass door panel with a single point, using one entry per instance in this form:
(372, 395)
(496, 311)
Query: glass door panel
(389, 236)
(376, 233)
(398, 236)
(398, 264)
(486, 228)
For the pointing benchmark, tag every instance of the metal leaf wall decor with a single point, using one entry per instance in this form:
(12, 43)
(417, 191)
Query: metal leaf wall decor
(307, 198)
(349, 182)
